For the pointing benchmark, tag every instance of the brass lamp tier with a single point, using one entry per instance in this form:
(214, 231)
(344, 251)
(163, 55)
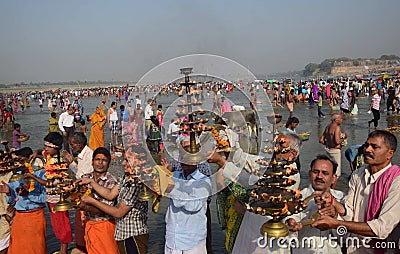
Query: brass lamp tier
(275, 229)
(193, 159)
(272, 195)
(16, 177)
(145, 194)
(62, 205)
(192, 125)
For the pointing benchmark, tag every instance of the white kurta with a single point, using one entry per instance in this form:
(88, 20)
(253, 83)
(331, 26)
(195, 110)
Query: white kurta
(320, 238)
(356, 201)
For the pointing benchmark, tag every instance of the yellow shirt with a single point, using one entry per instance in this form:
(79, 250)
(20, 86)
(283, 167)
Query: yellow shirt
(53, 125)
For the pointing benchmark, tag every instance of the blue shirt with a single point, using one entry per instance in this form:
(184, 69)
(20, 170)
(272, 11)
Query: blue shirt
(35, 198)
(125, 115)
(186, 221)
(291, 131)
(203, 167)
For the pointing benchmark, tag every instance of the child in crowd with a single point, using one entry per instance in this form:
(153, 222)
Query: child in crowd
(18, 136)
(160, 118)
(154, 138)
(53, 123)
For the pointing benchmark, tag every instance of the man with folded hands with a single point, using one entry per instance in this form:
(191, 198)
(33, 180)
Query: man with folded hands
(322, 176)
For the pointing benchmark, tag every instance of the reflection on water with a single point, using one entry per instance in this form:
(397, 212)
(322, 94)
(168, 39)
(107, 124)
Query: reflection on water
(35, 124)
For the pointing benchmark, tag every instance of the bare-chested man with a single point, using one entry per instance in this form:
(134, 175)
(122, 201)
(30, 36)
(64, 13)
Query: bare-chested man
(332, 138)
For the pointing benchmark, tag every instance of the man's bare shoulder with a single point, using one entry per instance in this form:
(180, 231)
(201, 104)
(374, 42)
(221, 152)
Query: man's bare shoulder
(333, 127)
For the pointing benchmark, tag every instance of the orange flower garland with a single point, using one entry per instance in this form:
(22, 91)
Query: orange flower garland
(220, 142)
(76, 196)
(30, 182)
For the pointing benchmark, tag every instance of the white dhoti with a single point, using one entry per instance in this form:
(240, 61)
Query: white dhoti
(336, 156)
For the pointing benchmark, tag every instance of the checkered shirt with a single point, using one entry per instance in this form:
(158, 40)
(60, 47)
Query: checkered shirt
(107, 181)
(135, 221)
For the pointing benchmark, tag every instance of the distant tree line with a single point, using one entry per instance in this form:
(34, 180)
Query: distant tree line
(66, 83)
(325, 66)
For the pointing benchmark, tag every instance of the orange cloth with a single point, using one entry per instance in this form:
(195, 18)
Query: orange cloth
(99, 236)
(28, 233)
(97, 121)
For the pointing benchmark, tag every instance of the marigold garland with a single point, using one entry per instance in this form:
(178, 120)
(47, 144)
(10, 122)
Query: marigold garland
(220, 142)
(30, 182)
(76, 196)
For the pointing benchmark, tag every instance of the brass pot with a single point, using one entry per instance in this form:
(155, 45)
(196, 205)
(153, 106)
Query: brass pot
(145, 194)
(62, 205)
(16, 177)
(275, 229)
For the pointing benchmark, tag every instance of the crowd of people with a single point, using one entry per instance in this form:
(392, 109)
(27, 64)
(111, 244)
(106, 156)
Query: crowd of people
(113, 219)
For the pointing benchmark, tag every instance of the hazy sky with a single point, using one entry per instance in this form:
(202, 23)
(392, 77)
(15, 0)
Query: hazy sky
(47, 40)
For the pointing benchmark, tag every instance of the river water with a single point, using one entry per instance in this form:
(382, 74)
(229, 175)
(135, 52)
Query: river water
(35, 124)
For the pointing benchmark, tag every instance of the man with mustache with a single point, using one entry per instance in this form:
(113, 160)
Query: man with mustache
(322, 176)
(370, 209)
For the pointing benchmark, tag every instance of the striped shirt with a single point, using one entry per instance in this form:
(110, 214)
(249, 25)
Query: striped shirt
(134, 223)
(376, 100)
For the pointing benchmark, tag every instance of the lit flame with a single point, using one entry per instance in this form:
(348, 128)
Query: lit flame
(285, 209)
(297, 193)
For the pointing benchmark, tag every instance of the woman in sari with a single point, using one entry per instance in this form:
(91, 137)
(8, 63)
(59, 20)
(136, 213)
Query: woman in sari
(155, 135)
(97, 121)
